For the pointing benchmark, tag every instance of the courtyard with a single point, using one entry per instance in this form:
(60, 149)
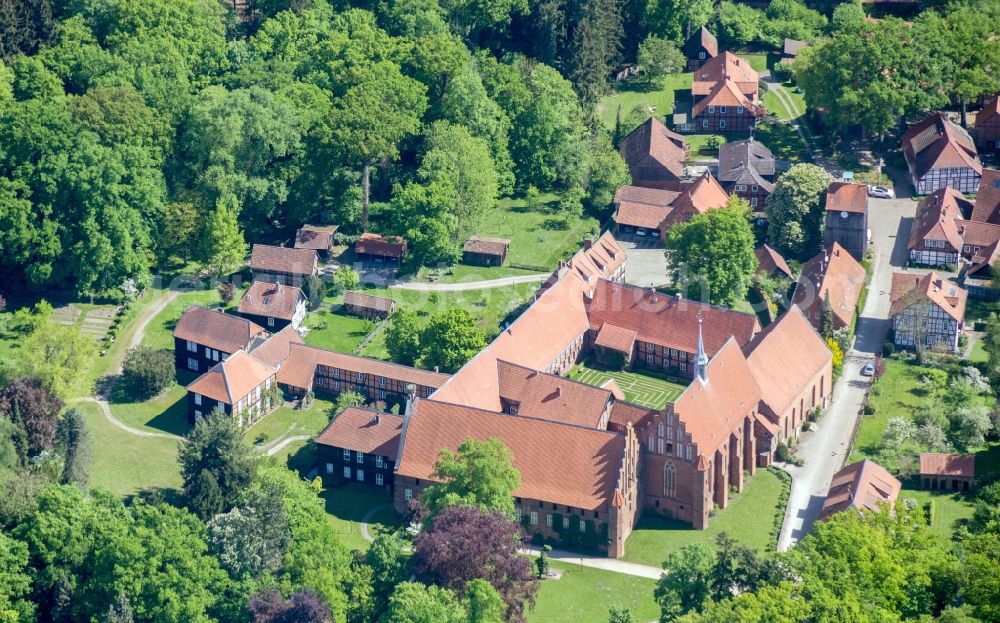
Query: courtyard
(640, 388)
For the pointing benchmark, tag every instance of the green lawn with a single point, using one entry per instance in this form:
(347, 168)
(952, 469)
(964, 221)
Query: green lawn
(758, 60)
(335, 331)
(538, 238)
(949, 509)
(125, 464)
(977, 354)
(582, 595)
(641, 389)
(897, 393)
(750, 519)
(347, 505)
(164, 413)
(286, 422)
(635, 94)
(700, 147)
(782, 139)
(464, 273)
(159, 331)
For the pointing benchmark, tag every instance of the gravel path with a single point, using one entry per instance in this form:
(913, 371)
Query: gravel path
(471, 285)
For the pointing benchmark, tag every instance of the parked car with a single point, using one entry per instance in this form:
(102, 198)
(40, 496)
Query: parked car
(640, 232)
(881, 192)
(868, 370)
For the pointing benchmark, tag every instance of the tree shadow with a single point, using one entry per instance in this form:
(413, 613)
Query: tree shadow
(159, 495)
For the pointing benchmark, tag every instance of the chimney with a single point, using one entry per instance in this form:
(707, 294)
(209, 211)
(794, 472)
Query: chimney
(435, 369)
(558, 391)
(588, 243)
(376, 419)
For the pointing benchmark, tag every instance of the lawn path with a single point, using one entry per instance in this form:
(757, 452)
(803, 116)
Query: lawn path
(600, 562)
(284, 442)
(471, 285)
(142, 322)
(363, 524)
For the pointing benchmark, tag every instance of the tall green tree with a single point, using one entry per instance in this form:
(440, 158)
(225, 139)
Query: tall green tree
(595, 36)
(372, 118)
(480, 474)
(795, 210)
(223, 248)
(450, 339)
(413, 602)
(684, 585)
(76, 445)
(714, 250)
(402, 336)
(659, 58)
(216, 445)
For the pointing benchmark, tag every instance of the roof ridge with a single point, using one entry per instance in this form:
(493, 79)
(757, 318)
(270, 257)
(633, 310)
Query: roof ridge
(546, 421)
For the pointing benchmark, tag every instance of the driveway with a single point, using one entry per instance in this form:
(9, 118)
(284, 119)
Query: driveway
(645, 263)
(826, 449)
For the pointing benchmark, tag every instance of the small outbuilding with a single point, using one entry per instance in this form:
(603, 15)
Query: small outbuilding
(319, 238)
(483, 251)
(380, 249)
(947, 472)
(368, 305)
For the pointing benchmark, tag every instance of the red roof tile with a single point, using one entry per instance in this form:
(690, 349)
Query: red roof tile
(233, 379)
(703, 195)
(386, 246)
(938, 143)
(552, 397)
(769, 260)
(646, 196)
(300, 367)
(486, 246)
(863, 485)
(847, 197)
(263, 298)
(909, 288)
(978, 233)
(363, 430)
(726, 66)
(940, 464)
(368, 301)
(585, 475)
(938, 217)
(216, 329)
(987, 208)
(833, 271)
(616, 338)
(724, 93)
(283, 260)
(652, 139)
(274, 351)
(315, 237)
(641, 215)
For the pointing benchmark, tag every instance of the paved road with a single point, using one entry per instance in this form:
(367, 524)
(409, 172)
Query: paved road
(601, 562)
(471, 285)
(825, 450)
(645, 262)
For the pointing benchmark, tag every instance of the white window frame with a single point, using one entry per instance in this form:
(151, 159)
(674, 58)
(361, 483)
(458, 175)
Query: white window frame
(361, 376)
(270, 321)
(704, 123)
(359, 457)
(347, 454)
(739, 110)
(379, 479)
(533, 518)
(407, 494)
(548, 520)
(329, 468)
(722, 124)
(753, 202)
(753, 187)
(359, 475)
(347, 472)
(741, 188)
(701, 56)
(649, 359)
(711, 109)
(197, 399)
(565, 522)
(583, 525)
(378, 461)
(722, 110)
(192, 364)
(381, 381)
(381, 394)
(197, 415)
(192, 347)
(517, 514)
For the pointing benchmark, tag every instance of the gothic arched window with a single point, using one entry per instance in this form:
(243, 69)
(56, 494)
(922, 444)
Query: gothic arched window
(669, 480)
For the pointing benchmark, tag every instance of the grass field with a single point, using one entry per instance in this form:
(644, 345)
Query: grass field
(537, 237)
(286, 422)
(749, 518)
(125, 464)
(635, 94)
(699, 144)
(950, 509)
(335, 331)
(464, 273)
(782, 139)
(347, 505)
(772, 103)
(160, 329)
(582, 595)
(641, 389)
(164, 413)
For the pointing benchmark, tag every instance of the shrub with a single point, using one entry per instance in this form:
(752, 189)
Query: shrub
(888, 349)
(782, 71)
(931, 510)
(783, 453)
(963, 340)
(147, 372)
(869, 410)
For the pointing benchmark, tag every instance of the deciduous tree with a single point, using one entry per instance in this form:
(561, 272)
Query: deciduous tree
(795, 210)
(402, 336)
(34, 410)
(450, 339)
(479, 474)
(684, 585)
(215, 445)
(146, 371)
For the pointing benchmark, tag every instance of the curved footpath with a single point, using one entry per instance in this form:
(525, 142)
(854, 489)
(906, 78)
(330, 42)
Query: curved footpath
(471, 285)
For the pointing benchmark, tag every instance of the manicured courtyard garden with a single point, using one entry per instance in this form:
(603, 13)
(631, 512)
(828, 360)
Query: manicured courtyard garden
(348, 503)
(641, 388)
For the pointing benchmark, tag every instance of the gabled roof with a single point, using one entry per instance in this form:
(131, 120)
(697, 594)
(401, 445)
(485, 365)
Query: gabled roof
(792, 47)
(785, 357)
(978, 233)
(987, 208)
(534, 340)
(641, 215)
(274, 350)
(861, 485)
(263, 298)
(847, 197)
(300, 367)
(363, 430)
(834, 271)
(231, 380)
(737, 155)
(283, 260)
(616, 338)
(652, 139)
(712, 410)
(584, 476)
(315, 237)
(990, 111)
(667, 320)
(985, 259)
(726, 66)
(216, 329)
(938, 217)
(552, 397)
(386, 246)
(702, 39)
(646, 196)
(723, 93)
(598, 259)
(369, 301)
(486, 246)
(908, 288)
(941, 464)
(769, 260)
(938, 143)
(703, 195)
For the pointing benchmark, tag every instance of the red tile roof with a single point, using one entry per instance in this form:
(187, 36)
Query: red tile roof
(726, 66)
(847, 197)
(940, 464)
(624, 413)
(703, 38)
(616, 338)
(552, 397)
(646, 196)
(978, 233)
(990, 111)
(300, 367)
(667, 320)
(232, 380)
(863, 485)
(833, 271)
(368, 301)
(938, 143)
(938, 217)
(584, 476)
(724, 93)
(986, 258)
(315, 237)
(216, 329)
(283, 260)
(600, 260)
(785, 357)
(486, 246)
(364, 430)
(769, 260)
(909, 288)
(987, 206)
(703, 195)
(263, 298)
(274, 351)
(712, 410)
(641, 215)
(386, 246)
(652, 139)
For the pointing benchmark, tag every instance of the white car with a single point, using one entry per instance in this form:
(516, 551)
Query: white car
(881, 192)
(868, 370)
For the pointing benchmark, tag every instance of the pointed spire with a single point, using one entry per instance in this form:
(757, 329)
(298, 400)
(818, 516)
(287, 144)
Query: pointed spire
(701, 361)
